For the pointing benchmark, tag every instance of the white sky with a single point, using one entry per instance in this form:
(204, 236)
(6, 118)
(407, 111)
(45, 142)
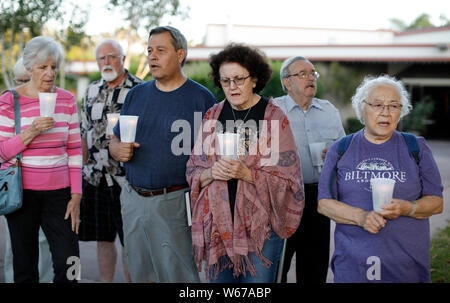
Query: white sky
(351, 14)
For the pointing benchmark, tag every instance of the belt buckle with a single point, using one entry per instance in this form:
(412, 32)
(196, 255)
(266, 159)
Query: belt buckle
(157, 192)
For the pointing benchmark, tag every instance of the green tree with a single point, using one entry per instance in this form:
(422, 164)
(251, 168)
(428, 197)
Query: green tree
(72, 34)
(340, 82)
(144, 14)
(421, 21)
(20, 20)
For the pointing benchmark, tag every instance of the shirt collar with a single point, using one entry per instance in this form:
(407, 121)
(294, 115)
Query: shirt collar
(290, 104)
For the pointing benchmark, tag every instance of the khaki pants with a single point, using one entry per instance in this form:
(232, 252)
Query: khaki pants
(157, 239)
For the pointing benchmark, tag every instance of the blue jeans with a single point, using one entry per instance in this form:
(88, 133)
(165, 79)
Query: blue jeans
(271, 250)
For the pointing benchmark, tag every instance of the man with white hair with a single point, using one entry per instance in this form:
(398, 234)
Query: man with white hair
(101, 218)
(312, 120)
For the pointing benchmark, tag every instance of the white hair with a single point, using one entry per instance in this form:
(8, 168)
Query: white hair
(369, 83)
(114, 43)
(40, 49)
(284, 70)
(19, 69)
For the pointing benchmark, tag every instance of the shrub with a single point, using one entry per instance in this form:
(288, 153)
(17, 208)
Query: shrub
(418, 119)
(353, 125)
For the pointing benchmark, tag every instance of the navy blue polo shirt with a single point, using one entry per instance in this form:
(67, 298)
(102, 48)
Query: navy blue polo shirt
(157, 163)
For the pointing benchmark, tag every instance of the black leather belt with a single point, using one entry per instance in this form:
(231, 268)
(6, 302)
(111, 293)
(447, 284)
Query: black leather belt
(156, 192)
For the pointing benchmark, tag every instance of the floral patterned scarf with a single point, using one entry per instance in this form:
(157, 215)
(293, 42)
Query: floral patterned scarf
(275, 200)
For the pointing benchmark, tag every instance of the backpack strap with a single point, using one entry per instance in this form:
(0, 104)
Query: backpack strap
(413, 146)
(343, 145)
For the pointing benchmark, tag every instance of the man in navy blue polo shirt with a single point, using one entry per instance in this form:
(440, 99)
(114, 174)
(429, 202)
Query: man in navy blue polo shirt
(156, 234)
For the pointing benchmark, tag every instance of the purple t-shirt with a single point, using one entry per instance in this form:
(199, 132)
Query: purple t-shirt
(400, 250)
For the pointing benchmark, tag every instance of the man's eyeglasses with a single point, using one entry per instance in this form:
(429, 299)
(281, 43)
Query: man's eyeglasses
(239, 81)
(303, 75)
(110, 57)
(379, 107)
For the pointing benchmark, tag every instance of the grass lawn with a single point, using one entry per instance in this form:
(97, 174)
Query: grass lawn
(440, 257)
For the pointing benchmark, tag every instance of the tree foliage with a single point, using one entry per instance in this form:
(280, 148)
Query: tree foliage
(144, 14)
(340, 82)
(421, 21)
(21, 20)
(20, 14)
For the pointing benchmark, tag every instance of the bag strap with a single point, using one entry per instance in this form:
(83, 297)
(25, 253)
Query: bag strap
(343, 145)
(16, 117)
(413, 146)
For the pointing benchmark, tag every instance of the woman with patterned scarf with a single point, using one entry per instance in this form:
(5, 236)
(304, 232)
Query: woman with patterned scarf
(242, 209)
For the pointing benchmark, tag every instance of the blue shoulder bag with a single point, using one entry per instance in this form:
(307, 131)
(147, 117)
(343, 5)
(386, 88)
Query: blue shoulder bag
(11, 177)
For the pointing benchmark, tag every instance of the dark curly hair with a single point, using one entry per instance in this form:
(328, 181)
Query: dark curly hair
(252, 59)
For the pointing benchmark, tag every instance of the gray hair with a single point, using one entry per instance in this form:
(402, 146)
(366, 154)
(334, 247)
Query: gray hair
(114, 43)
(178, 39)
(19, 69)
(40, 49)
(369, 83)
(284, 70)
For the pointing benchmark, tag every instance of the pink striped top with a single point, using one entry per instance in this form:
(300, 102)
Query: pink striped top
(53, 159)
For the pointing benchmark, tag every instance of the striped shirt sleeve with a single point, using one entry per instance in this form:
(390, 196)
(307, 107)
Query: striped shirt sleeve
(74, 149)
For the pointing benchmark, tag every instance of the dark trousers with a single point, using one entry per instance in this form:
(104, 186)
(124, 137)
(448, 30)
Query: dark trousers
(45, 209)
(100, 212)
(311, 243)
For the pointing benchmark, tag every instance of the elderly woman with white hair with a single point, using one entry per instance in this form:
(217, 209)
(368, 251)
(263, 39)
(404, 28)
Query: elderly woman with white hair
(390, 244)
(51, 165)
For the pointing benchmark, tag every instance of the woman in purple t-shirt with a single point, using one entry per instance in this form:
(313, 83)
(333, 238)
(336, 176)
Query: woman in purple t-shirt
(390, 245)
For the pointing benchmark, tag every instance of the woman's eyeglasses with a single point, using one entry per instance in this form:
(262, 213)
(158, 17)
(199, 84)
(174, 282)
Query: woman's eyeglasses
(21, 81)
(379, 107)
(239, 81)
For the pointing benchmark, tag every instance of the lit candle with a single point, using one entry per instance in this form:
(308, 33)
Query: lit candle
(112, 121)
(131, 128)
(47, 103)
(228, 145)
(128, 126)
(382, 190)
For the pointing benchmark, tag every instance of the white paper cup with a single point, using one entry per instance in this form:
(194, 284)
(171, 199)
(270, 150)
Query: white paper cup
(112, 121)
(316, 152)
(382, 189)
(128, 128)
(228, 145)
(47, 103)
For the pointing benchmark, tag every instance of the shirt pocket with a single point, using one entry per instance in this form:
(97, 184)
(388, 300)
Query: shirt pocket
(328, 134)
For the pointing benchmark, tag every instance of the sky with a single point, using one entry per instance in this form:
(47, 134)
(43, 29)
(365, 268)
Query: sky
(348, 14)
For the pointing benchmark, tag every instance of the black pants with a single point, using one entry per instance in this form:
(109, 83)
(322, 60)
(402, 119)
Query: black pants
(311, 243)
(45, 209)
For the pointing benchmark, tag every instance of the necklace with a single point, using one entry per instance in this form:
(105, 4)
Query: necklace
(248, 111)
